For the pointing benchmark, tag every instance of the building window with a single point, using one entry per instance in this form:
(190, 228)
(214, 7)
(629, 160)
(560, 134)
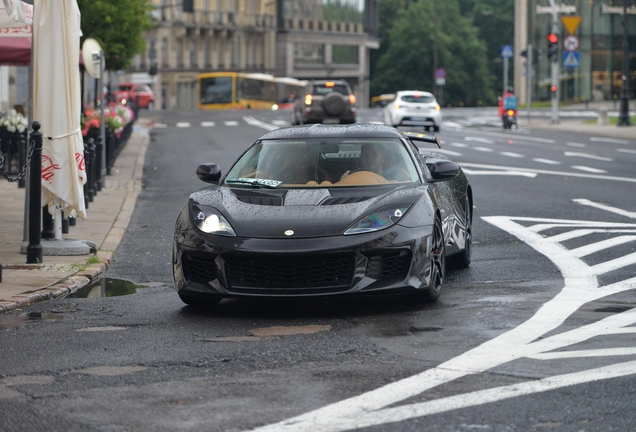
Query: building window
(309, 54)
(193, 54)
(345, 54)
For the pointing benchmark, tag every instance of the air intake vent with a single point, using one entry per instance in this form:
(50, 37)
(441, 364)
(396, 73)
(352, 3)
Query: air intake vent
(343, 200)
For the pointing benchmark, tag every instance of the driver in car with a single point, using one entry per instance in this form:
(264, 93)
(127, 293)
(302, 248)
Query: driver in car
(371, 159)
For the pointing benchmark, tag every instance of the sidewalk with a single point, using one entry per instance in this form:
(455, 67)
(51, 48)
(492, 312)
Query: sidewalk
(107, 220)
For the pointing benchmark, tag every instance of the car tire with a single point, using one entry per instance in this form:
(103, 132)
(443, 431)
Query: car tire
(436, 128)
(208, 301)
(151, 106)
(463, 259)
(333, 104)
(437, 264)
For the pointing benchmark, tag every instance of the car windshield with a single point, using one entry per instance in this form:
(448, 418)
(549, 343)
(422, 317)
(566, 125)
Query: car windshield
(125, 87)
(326, 162)
(321, 90)
(417, 98)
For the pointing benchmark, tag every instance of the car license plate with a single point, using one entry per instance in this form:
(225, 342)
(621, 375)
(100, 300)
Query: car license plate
(331, 120)
(418, 118)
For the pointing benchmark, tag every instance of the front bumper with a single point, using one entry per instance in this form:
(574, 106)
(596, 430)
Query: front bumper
(396, 258)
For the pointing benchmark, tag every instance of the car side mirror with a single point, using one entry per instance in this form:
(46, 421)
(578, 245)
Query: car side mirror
(442, 169)
(209, 173)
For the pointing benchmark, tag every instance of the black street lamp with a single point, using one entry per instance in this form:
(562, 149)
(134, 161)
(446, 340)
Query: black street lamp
(623, 116)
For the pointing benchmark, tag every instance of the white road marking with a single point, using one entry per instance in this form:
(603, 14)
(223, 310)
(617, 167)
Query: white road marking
(477, 139)
(612, 140)
(605, 352)
(518, 137)
(510, 154)
(507, 173)
(443, 151)
(614, 264)
(160, 125)
(252, 121)
(528, 340)
(556, 173)
(626, 151)
(583, 201)
(588, 156)
(588, 169)
(602, 245)
(573, 144)
(483, 149)
(183, 124)
(456, 144)
(281, 123)
(547, 161)
(230, 123)
(207, 124)
(583, 232)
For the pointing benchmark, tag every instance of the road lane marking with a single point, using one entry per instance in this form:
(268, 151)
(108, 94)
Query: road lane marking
(556, 173)
(443, 151)
(626, 151)
(230, 123)
(519, 137)
(612, 140)
(573, 144)
(207, 124)
(509, 173)
(530, 339)
(511, 154)
(252, 121)
(546, 161)
(602, 245)
(588, 156)
(477, 139)
(160, 125)
(483, 149)
(583, 201)
(456, 144)
(588, 169)
(281, 123)
(183, 124)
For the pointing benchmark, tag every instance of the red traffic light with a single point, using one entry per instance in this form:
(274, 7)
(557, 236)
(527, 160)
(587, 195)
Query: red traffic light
(552, 38)
(553, 88)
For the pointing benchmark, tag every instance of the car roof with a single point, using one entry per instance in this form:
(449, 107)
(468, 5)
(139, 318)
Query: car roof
(409, 92)
(357, 130)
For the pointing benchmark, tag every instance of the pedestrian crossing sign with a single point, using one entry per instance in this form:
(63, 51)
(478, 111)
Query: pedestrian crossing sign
(506, 51)
(571, 59)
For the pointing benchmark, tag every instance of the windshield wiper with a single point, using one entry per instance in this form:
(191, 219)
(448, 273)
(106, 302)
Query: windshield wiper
(269, 184)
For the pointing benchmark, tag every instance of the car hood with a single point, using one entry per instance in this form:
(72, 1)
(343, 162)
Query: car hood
(269, 213)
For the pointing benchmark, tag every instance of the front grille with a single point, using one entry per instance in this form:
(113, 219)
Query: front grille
(197, 269)
(288, 273)
(387, 266)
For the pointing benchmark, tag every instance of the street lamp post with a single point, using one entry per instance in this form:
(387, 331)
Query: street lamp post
(623, 116)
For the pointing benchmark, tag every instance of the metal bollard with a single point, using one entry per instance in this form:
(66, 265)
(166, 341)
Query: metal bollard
(99, 151)
(89, 156)
(34, 249)
(22, 145)
(602, 117)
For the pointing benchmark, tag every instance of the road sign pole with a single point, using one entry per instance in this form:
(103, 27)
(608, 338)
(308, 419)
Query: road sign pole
(505, 73)
(529, 74)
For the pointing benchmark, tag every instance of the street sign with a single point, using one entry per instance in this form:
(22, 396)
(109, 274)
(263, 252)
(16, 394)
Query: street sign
(571, 59)
(571, 23)
(440, 73)
(571, 43)
(507, 51)
(440, 81)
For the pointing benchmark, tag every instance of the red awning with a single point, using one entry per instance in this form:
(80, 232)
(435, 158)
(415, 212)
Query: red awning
(15, 51)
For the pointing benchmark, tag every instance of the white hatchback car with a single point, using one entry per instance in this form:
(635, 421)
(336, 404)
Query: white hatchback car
(413, 108)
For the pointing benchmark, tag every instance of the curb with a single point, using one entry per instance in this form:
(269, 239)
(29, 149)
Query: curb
(105, 252)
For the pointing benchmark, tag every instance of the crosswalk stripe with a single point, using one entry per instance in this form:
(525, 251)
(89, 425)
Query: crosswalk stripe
(207, 124)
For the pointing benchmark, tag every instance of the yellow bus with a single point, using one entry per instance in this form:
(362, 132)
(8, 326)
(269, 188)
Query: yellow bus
(238, 90)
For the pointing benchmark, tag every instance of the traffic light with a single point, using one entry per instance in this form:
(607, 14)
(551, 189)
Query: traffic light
(553, 47)
(153, 69)
(553, 91)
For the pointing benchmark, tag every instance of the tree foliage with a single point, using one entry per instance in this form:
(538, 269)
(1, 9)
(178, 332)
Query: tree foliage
(421, 36)
(117, 25)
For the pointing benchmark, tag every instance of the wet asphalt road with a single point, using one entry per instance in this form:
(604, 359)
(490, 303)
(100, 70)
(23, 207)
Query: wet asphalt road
(145, 361)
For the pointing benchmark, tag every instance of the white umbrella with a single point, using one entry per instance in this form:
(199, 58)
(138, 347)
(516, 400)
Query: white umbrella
(57, 103)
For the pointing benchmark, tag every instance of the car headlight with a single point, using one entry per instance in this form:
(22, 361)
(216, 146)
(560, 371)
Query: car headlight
(210, 221)
(377, 220)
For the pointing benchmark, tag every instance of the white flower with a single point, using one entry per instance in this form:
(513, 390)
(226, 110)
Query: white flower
(14, 121)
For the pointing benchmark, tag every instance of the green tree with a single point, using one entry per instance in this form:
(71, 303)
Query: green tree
(117, 25)
(429, 34)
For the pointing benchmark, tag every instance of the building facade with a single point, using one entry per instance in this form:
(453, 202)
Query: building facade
(301, 39)
(591, 61)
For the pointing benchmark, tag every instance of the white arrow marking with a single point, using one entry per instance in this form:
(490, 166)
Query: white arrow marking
(588, 156)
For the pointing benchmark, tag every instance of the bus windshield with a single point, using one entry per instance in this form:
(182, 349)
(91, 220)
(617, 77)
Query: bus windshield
(216, 90)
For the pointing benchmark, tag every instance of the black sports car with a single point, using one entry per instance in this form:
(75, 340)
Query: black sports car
(325, 210)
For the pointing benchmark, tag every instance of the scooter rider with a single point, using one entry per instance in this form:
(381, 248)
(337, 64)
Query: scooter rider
(508, 109)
